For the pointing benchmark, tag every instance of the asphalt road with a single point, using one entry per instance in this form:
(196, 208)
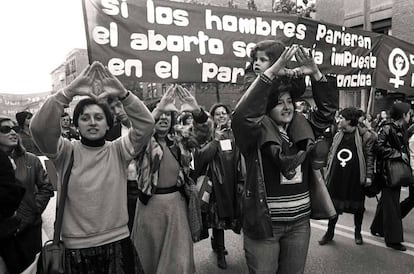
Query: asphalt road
(340, 256)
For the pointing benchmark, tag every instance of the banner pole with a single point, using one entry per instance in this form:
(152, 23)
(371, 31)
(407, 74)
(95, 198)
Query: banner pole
(371, 101)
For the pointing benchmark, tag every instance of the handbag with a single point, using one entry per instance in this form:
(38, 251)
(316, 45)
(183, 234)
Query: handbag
(375, 188)
(193, 210)
(205, 187)
(398, 173)
(322, 206)
(52, 255)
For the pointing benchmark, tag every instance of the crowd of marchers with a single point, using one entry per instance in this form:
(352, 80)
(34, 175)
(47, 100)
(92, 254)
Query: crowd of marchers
(144, 182)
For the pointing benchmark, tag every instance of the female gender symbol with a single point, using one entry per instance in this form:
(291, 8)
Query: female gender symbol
(344, 160)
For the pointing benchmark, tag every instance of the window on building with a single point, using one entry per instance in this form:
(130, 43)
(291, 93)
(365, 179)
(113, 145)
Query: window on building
(382, 26)
(71, 67)
(361, 27)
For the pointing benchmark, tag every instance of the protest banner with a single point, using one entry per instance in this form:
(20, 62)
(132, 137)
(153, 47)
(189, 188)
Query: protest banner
(10, 104)
(163, 41)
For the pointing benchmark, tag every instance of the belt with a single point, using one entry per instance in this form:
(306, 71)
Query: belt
(166, 190)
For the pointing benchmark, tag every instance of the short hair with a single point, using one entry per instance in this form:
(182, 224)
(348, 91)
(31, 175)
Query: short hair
(111, 99)
(217, 105)
(22, 116)
(398, 110)
(352, 114)
(64, 114)
(80, 107)
(272, 48)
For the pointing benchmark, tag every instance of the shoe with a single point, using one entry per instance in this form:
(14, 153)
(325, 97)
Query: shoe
(325, 239)
(358, 238)
(221, 260)
(397, 246)
(225, 252)
(377, 234)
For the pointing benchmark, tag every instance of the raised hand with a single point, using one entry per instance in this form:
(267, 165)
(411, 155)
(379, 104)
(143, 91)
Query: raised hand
(307, 63)
(278, 67)
(111, 86)
(167, 102)
(83, 83)
(189, 103)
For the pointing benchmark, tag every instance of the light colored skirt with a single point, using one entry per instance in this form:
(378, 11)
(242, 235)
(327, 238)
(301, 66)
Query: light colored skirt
(162, 236)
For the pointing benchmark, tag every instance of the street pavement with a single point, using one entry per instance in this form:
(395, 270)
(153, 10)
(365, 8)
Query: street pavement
(342, 255)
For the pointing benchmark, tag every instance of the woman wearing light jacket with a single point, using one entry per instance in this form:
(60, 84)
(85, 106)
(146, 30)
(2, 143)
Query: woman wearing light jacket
(94, 228)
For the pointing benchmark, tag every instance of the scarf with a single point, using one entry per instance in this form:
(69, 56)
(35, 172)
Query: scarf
(148, 164)
(93, 143)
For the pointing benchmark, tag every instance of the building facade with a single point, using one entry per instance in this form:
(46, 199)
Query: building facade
(390, 17)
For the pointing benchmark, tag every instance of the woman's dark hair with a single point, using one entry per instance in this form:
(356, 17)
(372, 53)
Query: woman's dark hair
(80, 107)
(217, 105)
(398, 110)
(296, 88)
(352, 114)
(19, 150)
(272, 48)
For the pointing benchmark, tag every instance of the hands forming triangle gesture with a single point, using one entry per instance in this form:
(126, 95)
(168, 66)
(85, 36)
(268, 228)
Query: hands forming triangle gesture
(177, 94)
(97, 82)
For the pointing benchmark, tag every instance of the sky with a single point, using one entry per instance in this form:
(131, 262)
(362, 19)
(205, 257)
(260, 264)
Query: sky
(35, 38)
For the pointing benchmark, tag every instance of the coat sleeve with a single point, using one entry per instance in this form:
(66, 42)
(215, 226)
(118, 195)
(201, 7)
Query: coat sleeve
(326, 96)
(44, 187)
(142, 123)
(383, 148)
(368, 144)
(45, 124)
(249, 113)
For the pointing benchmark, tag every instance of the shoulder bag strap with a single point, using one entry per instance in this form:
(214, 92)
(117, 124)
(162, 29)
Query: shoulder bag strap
(62, 200)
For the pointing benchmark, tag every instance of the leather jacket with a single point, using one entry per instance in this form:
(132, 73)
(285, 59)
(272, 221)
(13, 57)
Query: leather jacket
(391, 144)
(248, 126)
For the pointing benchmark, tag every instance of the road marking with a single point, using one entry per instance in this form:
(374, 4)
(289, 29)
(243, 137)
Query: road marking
(407, 244)
(323, 224)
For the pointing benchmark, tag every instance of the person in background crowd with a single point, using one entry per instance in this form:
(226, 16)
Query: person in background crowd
(350, 168)
(161, 228)
(381, 119)
(65, 127)
(11, 194)
(23, 120)
(391, 143)
(19, 251)
(94, 228)
(277, 144)
(365, 121)
(185, 118)
(121, 128)
(221, 160)
(408, 203)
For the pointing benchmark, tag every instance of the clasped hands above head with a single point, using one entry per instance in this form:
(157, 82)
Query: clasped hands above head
(97, 82)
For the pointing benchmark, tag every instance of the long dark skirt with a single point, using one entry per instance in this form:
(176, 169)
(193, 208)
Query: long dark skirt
(387, 220)
(119, 257)
(19, 252)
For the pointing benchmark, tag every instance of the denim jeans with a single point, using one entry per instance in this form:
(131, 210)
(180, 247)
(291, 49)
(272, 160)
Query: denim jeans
(284, 253)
